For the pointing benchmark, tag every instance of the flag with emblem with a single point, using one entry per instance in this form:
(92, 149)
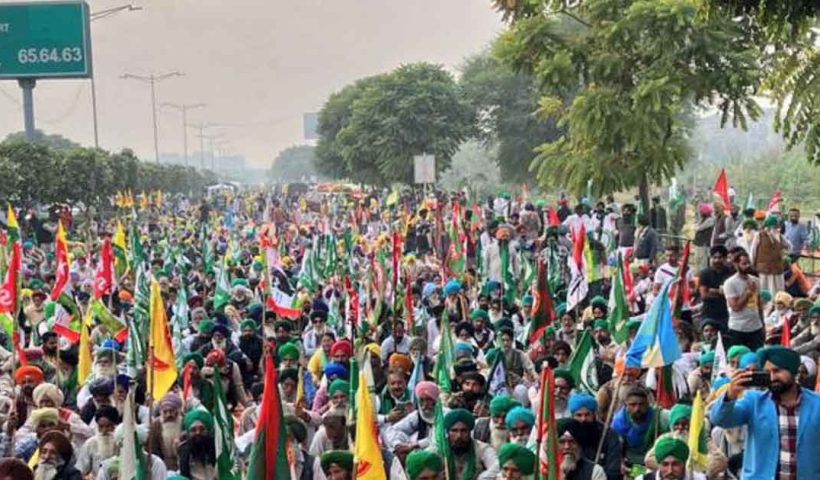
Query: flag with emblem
(582, 364)
(367, 453)
(162, 361)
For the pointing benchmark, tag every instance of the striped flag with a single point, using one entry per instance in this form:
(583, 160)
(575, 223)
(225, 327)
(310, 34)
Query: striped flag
(269, 451)
(546, 434)
(582, 364)
(223, 431)
(655, 344)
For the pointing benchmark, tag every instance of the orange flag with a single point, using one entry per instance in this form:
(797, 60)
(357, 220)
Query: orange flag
(162, 368)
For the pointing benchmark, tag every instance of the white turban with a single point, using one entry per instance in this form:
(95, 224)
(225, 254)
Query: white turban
(48, 390)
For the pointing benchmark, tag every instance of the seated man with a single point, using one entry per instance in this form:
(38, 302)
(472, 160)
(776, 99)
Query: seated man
(571, 440)
(633, 422)
(470, 457)
(515, 461)
(672, 454)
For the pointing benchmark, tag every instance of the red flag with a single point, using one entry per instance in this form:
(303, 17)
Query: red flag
(552, 217)
(408, 301)
(8, 291)
(353, 302)
(396, 259)
(786, 334)
(61, 278)
(774, 203)
(666, 390)
(542, 312)
(282, 310)
(722, 189)
(268, 457)
(104, 276)
(578, 241)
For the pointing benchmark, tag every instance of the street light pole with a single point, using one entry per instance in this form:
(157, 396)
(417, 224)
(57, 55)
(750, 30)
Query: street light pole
(97, 16)
(152, 80)
(184, 109)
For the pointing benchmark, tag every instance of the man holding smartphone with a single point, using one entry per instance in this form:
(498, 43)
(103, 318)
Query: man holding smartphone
(742, 291)
(781, 419)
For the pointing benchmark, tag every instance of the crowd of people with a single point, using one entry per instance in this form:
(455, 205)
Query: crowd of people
(502, 337)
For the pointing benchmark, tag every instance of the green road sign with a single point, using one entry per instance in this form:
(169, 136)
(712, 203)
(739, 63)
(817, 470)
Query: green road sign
(44, 40)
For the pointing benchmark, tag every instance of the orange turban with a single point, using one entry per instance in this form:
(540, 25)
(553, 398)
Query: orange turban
(28, 371)
(402, 361)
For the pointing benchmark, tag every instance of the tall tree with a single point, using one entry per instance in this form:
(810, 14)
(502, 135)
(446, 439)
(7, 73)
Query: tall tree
(636, 68)
(294, 163)
(505, 102)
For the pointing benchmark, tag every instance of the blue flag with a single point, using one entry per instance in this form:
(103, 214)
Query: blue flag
(655, 344)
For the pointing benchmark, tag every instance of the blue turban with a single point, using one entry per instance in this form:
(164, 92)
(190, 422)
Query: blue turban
(452, 287)
(463, 348)
(429, 289)
(581, 400)
(519, 414)
(561, 309)
(748, 359)
(336, 369)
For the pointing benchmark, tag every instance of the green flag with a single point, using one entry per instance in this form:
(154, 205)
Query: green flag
(445, 356)
(618, 308)
(223, 432)
(132, 456)
(582, 364)
(441, 442)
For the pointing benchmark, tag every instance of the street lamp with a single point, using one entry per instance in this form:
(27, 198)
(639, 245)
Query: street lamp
(184, 109)
(97, 16)
(152, 79)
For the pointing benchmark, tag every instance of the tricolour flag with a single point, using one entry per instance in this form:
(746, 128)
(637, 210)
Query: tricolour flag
(578, 284)
(618, 308)
(774, 203)
(280, 303)
(697, 436)
(582, 364)
(655, 344)
(162, 361)
(367, 453)
(268, 459)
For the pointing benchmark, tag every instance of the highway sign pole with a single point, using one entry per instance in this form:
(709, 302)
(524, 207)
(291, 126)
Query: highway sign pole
(27, 84)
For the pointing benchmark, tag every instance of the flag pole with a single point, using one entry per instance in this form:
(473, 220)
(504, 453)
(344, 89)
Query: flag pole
(150, 394)
(610, 412)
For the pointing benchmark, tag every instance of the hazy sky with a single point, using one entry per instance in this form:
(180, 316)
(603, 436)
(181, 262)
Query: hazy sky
(257, 64)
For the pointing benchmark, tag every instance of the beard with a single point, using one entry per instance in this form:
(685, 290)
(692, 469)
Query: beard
(498, 437)
(778, 387)
(460, 448)
(520, 439)
(170, 434)
(108, 371)
(105, 446)
(560, 403)
(48, 470)
(569, 461)
(202, 448)
(219, 345)
(815, 329)
(671, 476)
(428, 416)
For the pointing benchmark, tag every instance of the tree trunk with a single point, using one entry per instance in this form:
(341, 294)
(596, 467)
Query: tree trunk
(643, 193)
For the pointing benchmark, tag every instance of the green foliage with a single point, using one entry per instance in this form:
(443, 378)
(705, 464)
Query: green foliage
(474, 168)
(505, 103)
(637, 68)
(51, 140)
(370, 131)
(294, 163)
(37, 174)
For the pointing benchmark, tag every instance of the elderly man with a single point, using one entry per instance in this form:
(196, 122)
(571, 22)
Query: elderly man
(493, 429)
(519, 422)
(105, 367)
(470, 457)
(583, 408)
(415, 430)
(516, 462)
(672, 454)
(395, 401)
(288, 356)
(197, 455)
(101, 446)
(166, 431)
(47, 395)
(571, 441)
(26, 440)
(101, 389)
(424, 465)
(679, 419)
(55, 457)
(779, 419)
(109, 470)
(332, 435)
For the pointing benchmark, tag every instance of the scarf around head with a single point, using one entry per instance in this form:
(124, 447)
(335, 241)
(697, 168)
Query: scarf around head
(636, 434)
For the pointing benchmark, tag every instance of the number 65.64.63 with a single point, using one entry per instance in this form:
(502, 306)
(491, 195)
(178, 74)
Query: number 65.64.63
(49, 55)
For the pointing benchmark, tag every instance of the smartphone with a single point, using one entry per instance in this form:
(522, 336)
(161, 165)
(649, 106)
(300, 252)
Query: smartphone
(759, 379)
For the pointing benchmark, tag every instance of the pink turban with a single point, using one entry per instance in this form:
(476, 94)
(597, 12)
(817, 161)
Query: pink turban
(427, 389)
(705, 209)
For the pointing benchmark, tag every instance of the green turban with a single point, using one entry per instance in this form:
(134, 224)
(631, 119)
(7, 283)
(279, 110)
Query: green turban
(766, 295)
(561, 309)
(296, 427)
(598, 301)
(501, 404)
(600, 323)
(633, 323)
(198, 415)
(815, 309)
(195, 357)
(288, 350)
(247, 323)
(679, 412)
(521, 456)
(240, 282)
(206, 326)
(566, 375)
(421, 460)
(491, 355)
(459, 415)
(666, 446)
(479, 313)
(341, 458)
(707, 358)
(782, 357)
(770, 221)
(286, 324)
(338, 385)
(737, 351)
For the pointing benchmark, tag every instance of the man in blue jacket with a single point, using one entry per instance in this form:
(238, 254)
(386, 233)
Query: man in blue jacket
(783, 437)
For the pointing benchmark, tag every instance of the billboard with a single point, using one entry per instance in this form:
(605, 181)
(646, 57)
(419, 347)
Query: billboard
(424, 168)
(310, 124)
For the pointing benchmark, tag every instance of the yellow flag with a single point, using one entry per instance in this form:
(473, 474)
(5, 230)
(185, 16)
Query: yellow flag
(11, 220)
(158, 201)
(162, 366)
(697, 444)
(300, 386)
(84, 363)
(145, 201)
(367, 454)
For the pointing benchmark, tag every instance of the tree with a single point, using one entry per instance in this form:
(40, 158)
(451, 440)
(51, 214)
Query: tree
(474, 168)
(505, 103)
(637, 69)
(383, 121)
(28, 173)
(294, 163)
(53, 141)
